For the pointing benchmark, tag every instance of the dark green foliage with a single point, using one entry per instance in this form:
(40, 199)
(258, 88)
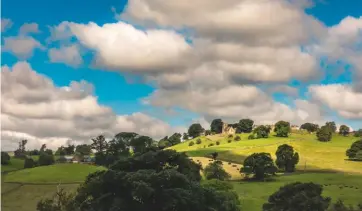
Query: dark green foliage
(286, 158)
(99, 143)
(332, 126)
(298, 197)
(60, 151)
(207, 132)
(84, 149)
(185, 136)
(49, 151)
(310, 127)
(282, 129)
(324, 134)
(198, 141)
(229, 141)
(340, 206)
(34, 152)
(215, 170)
(29, 163)
(163, 143)
(261, 131)
(216, 126)
(214, 155)
(191, 143)
(217, 142)
(355, 150)
(20, 152)
(195, 130)
(245, 126)
(237, 138)
(230, 136)
(139, 144)
(45, 159)
(251, 136)
(5, 158)
(175, 139)
(344, 130)
(210, 145)
(261, 165)
(358, 133)
(159, 160)
(69, 150)
(61, 201)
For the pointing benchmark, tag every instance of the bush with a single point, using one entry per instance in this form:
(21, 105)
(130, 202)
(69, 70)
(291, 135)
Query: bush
(355, 151)
(198, 141)
(5, 158)
(45, 159)
(251, 136)
(210, 145)
(215, 170)
(229, 141)
(217, 143)
(230, 136)
(191, 143)
(237, 138)
(29, 163)
(324, 134)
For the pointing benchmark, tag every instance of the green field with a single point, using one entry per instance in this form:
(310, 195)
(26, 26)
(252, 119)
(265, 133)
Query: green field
(314, 155)
(15, 164)
(59, 173)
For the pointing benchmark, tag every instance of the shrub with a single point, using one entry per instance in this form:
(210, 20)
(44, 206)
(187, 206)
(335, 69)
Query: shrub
(198, 141)
(5, 158)
(237, 138)
(210, 145)
(324, 134)
(251, 136)
(354, 152)
(215, 170)
(29, 163)
(230, 136)
(191, 143)
(217, 143)
(214, 155)
(229, 141)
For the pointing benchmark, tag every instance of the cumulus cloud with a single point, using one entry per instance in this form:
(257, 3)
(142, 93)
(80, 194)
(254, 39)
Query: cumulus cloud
(34, 108)
(27, 28)
(21, 46)
(5, 24)
(339, 97)
(66, 54)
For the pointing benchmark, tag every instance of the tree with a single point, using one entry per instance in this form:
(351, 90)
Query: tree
(332, 126)
(139, 144)
(84, 149)
(344, 130)
(175, 139)
(310, 127)
(358, 133)
(69, 150)
(34, 152)
(29, 163)
(286, 158)
(216, 126)
(61, 201)
(282, 129)
(259, 164)
(43, 147)
(99, 144)
(261, 131)
(20, 152)
(185, 136)
(339, 206)
(355, 148)
(207, 132)
(5, 158)
(324, 134)
(298, 197)
(163, 143)
(215, 170)
(214, 155)
(45, 159)
(245, 126)
(49, 151)
(60, 151)
(195, 130)
(159, 160)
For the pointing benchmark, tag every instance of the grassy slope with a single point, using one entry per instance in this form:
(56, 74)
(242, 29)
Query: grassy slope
(14, 164)
(65, 173)
(313, 154)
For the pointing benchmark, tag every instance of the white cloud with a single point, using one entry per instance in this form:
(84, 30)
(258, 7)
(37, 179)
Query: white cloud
(21, 46)
(339, 97)
(66, 54)
(27, 28)
(35, 109)
(5, 24)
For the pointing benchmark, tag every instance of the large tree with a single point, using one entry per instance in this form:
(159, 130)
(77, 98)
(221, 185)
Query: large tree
(332, 126)
(298, 197)
(99, 144)
(282, 129)
(261, 131)
(69, 150)
(216, 126)
(175, 139)
(83, 149)
(215, 170)
(286, 158)
(324, 134)
(5, 158)
(354, 150)
(344, 130)
(195, 130)
(261, 165)
(310, 127)
(245, 126)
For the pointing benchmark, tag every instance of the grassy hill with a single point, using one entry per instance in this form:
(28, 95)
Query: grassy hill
(314, 155)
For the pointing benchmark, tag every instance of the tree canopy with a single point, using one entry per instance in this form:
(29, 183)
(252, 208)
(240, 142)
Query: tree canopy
(216, 126)
(261, 165)
(354, 150)
(344, 130)
(332, 126)
(324, 134)
(5, 158)
(282, 129)
(310, 127)
(215, 170)
(286, 158)
(245, 126)
(195, 130)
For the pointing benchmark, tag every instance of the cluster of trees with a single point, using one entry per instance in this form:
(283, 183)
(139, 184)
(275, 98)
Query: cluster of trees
(261, 165)
(170, 141)
(46, 158)
(152, 180)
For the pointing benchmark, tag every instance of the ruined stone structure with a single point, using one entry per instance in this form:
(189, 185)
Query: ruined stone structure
(227, 129)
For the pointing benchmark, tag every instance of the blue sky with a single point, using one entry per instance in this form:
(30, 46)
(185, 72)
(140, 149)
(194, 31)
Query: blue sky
(121, 92)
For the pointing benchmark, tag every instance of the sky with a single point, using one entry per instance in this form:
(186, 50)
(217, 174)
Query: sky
(72, 70)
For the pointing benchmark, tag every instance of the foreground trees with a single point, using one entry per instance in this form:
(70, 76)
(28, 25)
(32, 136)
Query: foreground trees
(355, 151)
(286, 158)
(298, 197)
(282, 129)
(215, 170)
(261, 165)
